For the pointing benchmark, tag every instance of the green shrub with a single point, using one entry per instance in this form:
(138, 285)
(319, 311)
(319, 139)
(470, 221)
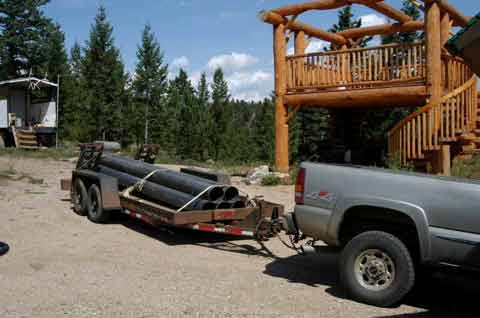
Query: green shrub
(394, 162)
(271, 180)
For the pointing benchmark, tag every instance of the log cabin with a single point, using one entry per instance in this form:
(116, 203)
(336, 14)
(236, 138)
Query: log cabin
(423, 74)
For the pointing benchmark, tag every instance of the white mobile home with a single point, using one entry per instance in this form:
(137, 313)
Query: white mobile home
(28, 105)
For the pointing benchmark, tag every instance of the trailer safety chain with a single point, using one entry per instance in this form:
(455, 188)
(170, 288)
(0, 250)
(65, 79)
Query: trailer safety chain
(292, 244)
(197, 197)
(250, 201)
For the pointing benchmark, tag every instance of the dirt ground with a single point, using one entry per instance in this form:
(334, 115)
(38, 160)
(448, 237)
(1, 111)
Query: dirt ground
(61, 265)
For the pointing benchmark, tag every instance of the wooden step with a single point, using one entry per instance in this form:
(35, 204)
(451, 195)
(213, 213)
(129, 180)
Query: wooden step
(27, 142)
(468, 137)
(29, 137)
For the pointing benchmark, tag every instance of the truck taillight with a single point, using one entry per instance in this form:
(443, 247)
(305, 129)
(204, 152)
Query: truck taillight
(300, 187)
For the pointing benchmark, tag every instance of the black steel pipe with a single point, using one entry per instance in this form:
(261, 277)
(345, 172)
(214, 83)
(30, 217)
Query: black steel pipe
(238, 204)
(171, 179)
(223, 205)
(230, 193)
(155, 192)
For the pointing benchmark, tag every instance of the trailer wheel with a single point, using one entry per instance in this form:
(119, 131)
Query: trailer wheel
(79, 197)
(376, 268)
(96, 213)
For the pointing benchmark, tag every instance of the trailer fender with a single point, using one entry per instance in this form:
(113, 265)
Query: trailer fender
(109, 190)
(108, 187)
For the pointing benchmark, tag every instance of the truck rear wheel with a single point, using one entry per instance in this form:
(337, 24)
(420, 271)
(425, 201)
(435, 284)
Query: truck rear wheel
(376, 268)
(79, 197)
(96, 213)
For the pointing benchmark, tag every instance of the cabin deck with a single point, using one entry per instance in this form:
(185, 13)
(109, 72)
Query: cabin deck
(383, 76)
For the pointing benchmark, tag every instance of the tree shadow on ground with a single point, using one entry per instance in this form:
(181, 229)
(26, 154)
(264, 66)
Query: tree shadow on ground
(445, 293)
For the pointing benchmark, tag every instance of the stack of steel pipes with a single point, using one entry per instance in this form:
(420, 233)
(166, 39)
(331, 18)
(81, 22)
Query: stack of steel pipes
(168, 187)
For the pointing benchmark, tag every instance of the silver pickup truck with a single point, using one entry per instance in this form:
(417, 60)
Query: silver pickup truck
(390, 225)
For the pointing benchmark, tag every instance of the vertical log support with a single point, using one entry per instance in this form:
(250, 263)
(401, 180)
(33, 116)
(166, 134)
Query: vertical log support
(446, 27)
(300, 46)
(434, 34)
(281, 125)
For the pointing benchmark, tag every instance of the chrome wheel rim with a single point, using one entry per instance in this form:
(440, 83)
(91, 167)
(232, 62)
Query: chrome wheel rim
(374, 270)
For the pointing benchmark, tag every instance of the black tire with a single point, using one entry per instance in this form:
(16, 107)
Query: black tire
(4, 248)
(79, 197)
(95, 212)
(392, 257)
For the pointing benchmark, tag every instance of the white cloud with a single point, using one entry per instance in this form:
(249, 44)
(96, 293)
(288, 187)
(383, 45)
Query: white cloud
(181, 62)
(251, 85)
(316, 46)
(245, 79)
(231, 62)
(313, 47)
(372, 20)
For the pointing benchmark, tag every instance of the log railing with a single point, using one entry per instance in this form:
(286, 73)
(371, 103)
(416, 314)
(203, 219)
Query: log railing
(357, 68)
(430, 126)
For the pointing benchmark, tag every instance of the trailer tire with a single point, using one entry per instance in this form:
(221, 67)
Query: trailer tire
(376, 268)
(96, 213)
(79, 197)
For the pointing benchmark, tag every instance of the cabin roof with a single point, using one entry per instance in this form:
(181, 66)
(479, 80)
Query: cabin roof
(28, 82)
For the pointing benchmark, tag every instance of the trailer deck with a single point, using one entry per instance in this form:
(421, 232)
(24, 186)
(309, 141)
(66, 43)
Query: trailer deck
(260, 219)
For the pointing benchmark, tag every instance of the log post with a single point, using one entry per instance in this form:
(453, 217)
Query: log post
(281, 125)
(445, 28)
(300, 46)
(433, 34)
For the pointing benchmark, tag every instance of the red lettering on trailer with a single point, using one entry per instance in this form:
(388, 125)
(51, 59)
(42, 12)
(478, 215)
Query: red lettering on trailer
(224, 215)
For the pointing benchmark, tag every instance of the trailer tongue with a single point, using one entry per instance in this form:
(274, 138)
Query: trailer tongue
(98, 190)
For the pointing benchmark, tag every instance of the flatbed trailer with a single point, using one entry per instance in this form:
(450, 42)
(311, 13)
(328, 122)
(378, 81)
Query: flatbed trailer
(98, 196)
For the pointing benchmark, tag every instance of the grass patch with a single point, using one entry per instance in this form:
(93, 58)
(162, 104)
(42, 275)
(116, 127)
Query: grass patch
(469, 169)
(64, 152)
(394, 162)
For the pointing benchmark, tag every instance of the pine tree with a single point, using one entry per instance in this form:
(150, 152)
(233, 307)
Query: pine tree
(181, 100)
(409, 8)
(76, 60)
(263, 132)
(74, 104)
(346, 20)
(150, 84)
(219, 114)
(57, 68)
(104, 81)
(201, 110)
(23, 37)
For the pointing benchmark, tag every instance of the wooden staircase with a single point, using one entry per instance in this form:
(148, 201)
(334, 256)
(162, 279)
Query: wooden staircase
(25, 139)
(452, 125)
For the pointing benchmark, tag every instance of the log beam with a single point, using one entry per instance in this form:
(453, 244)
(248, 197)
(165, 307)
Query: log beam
(314, 5)
(281, 124)
(410, 26)
(458, 18)
(386, 10)
(381, 97)
(297, 26)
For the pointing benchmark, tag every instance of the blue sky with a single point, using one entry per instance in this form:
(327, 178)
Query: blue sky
(199, 35)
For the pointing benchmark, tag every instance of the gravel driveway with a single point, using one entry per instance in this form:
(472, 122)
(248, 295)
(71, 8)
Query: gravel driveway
(61, 265)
